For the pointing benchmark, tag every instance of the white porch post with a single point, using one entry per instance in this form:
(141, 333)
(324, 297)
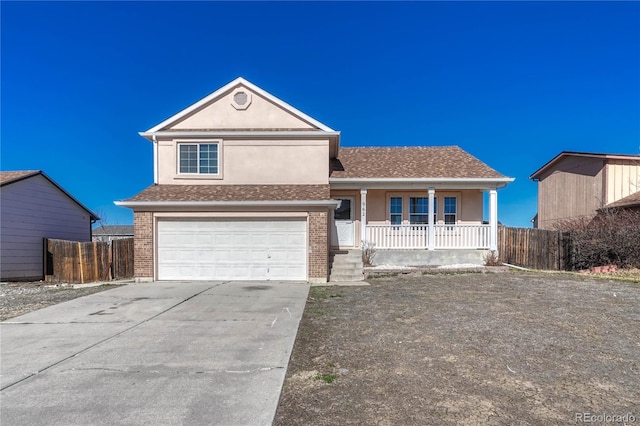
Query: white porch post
(431, 244)
(363, 215)
(493, 219)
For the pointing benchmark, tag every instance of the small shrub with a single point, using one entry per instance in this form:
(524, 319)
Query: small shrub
(368, 253)
(611, 237)
(492, 259)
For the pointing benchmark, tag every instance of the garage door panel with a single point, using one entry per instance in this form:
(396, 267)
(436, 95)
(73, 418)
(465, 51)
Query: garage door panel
(232, 249)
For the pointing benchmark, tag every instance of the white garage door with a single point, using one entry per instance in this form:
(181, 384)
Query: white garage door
(232, 249)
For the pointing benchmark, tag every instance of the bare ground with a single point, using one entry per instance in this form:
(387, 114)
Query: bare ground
(466, 349)
(18, 298)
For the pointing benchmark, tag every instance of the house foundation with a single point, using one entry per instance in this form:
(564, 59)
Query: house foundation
(428, 258)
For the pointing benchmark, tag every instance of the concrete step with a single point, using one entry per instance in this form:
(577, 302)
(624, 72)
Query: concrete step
(355, 254)
(341, 269)
(348, 263)
(346, 266)
(346, 277)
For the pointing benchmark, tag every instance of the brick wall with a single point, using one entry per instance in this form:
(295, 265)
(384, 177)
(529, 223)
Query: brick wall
(143, 245)
(319, 245)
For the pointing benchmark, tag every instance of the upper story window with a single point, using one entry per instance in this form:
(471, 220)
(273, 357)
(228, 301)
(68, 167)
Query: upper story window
(198, 158)
(450, 210)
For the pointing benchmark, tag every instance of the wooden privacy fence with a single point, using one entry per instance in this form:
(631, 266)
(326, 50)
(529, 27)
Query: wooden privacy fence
(535, 248)
(77, 262)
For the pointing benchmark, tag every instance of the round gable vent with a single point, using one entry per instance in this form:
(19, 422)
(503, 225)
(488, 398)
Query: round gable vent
(241, 99)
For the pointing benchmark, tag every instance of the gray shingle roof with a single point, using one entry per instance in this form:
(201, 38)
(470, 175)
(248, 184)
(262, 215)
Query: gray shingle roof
(12, 176)
(409, 162)
(628, 201)
(113, 230)
(233, 193)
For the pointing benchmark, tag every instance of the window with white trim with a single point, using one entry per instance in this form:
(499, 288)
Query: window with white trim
(450, 210)
(198, 158)
(395, 210)
(418, 210)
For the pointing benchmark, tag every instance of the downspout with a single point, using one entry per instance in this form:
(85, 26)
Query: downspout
(155, 160)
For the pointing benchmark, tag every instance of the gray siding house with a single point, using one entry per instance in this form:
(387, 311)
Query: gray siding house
(107, 233)
(33, 207)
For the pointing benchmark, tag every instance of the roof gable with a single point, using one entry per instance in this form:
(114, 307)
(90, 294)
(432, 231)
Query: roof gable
(11, 177)
(240, 105)
(575, 154)
(433, 162)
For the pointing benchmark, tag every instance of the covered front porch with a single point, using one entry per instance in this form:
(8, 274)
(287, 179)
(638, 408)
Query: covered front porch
(431, 237)
(393, 217)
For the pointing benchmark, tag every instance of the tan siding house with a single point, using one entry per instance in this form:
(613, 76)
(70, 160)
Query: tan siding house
(247, 187)
(575, 185)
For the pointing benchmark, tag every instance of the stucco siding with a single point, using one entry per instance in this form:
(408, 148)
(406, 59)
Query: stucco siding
(33, 209)
(254, 161)
(260, 114)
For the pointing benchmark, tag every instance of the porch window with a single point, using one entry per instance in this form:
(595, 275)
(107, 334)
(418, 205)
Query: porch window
(418, 210)
(450, 210)
(198, 158)
(395, 210)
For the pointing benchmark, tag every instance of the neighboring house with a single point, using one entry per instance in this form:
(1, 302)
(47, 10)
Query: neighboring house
(248, 187)
(34, 207)
(575, 185)
(108, 233)
(630, 202)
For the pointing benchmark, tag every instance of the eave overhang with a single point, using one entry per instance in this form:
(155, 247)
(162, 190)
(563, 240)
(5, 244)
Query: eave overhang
(240, 133)
(333, 136)
(224, 204)
(535, 176)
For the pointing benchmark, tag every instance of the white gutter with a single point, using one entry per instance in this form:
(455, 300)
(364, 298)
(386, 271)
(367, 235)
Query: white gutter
(421, 180)
(438, 183)
(242, 133)
(313, 203)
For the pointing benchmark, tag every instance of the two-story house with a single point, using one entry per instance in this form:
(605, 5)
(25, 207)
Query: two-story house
(575, 185)
(247, 187)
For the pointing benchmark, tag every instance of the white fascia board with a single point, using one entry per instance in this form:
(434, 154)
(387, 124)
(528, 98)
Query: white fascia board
(439, 183)
(186, 134)
(229, 86)
(311, 203)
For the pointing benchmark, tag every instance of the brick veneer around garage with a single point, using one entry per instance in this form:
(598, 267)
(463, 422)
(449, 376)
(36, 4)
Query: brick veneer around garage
(143, 245)
(319, 246)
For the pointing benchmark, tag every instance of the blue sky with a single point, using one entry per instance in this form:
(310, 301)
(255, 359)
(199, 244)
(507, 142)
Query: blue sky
(513, 83)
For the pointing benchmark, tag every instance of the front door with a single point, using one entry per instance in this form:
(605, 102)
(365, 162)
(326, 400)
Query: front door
(343, 229)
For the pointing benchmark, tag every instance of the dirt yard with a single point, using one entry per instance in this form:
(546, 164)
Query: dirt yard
(20, 298)
(467, 349)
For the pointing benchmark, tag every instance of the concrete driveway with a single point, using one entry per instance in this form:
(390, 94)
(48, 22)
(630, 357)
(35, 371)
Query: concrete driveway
(170, 353)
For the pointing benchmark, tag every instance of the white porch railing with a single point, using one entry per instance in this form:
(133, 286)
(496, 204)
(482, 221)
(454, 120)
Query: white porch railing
(417, 236)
